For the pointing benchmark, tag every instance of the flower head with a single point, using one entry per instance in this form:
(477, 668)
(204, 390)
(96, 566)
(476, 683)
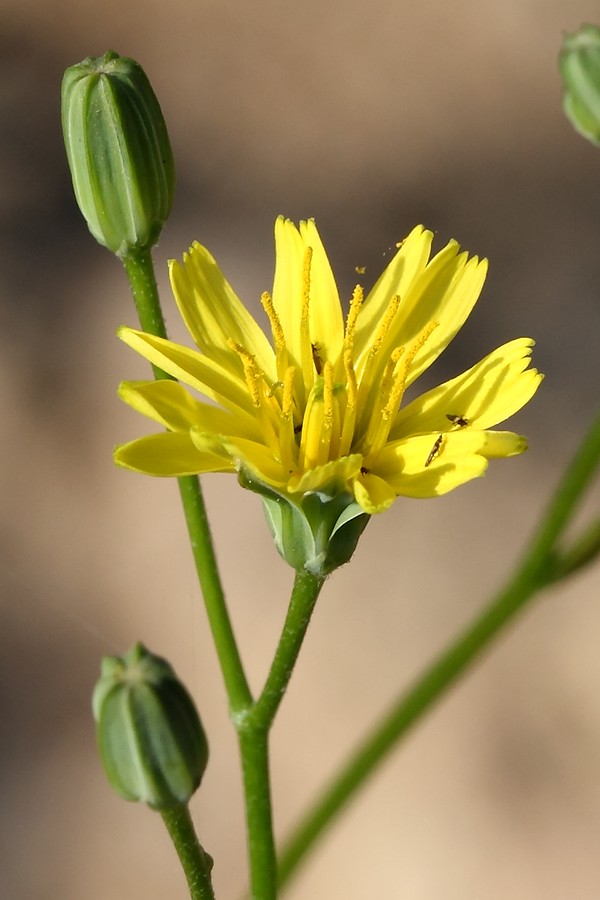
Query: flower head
(317, 412)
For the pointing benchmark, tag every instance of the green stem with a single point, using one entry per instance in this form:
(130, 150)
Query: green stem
(254, 751)
(253, 727)
(580, 552)
(302, 603)
(195, 863)
(535, 572)
(140, 271)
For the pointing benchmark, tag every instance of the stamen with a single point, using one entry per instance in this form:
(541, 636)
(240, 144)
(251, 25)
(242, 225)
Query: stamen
(281, 352)
(276, 329)
(355, 306)
(384, 326)
(349, 413)
(379, 426)
(287, 433)
(374, 419)
(328, 396)
(366, 370)
(397, 392)
(265, 404)
(352, 389)
(252, 373)
(420, 340)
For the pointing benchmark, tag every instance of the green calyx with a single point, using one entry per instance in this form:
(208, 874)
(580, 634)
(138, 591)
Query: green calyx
(118, 151)
(150, 737)
(315, 532)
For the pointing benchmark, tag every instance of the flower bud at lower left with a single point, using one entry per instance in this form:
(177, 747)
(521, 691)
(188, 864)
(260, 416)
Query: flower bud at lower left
(150, 737)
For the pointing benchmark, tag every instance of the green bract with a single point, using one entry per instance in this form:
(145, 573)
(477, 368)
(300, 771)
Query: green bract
(579, 64)
(150, 737)
(316, 532)
(118, 151)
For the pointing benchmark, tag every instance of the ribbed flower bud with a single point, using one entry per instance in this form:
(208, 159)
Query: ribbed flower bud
(150, 737)
(579, 64)
(118, 150)
(315, 532)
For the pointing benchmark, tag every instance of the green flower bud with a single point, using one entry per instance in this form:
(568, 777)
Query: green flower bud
(316, 532)
(150, 737)
(118, 150)
(579, 64)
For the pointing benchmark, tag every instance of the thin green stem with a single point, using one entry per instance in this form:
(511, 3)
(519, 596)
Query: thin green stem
(306, 590)
(196, 864)
(583, 549)
(254, 752)
(536, 571)
(140, 271)
(253, 727)
(196, 518)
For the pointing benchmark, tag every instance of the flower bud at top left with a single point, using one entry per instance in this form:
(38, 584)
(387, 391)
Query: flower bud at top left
(118, 151)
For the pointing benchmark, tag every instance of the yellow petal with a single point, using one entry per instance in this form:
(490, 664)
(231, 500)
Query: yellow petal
(439, 480)
(424, 466)
(169, 404)
(325, 311)
(200, 372)
(288, 284)
(407, 265)
(503, 444)
(445, 293)
(373, 494)
(214, 314)
(168, 454)
(489, 392)
(337, 472)
(253, 456)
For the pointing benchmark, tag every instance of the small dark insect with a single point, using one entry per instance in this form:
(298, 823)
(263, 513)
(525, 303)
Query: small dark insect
(434, 451)
(317, 359)
(364, 471)
(297, 429)
(457, 420)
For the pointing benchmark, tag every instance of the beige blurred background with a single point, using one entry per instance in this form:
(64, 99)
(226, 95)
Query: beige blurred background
(371, 118)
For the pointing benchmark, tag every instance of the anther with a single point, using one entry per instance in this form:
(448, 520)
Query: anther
(355, 305)
(276, 329)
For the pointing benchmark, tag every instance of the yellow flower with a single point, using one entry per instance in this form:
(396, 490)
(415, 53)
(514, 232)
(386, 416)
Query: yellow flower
(318, 409)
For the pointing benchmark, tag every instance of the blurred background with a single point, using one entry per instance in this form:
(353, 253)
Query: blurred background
(371, 118)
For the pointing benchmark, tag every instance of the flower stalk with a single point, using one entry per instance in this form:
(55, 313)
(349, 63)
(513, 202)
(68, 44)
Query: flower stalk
(253, 726)
(195, 862)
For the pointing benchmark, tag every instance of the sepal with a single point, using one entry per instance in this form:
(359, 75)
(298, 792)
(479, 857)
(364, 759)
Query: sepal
(315, 531)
